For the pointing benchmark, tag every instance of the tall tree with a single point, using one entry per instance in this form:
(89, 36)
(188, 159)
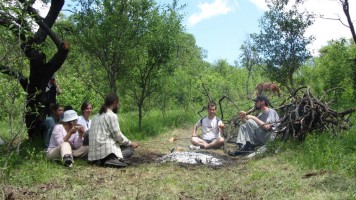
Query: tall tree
(131, 41)
(249, 59)
(155, 48)
(281, 41)
(105, 34)
(20, 19)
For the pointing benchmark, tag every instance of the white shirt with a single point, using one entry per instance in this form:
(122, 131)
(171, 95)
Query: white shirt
(210, 128)
(86, 124)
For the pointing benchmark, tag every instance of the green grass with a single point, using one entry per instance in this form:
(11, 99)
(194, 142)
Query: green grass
(153, 123)
(322, 152)
(330, 159)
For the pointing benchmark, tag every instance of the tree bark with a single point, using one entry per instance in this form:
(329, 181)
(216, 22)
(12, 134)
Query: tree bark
(40, 70)
(346, 9)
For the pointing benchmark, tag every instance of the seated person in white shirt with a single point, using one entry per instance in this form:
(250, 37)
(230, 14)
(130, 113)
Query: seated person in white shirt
(212, 128)
(84, 120)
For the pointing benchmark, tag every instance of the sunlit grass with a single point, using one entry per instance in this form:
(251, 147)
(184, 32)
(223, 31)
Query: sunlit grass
(280, 175)
(154, 123)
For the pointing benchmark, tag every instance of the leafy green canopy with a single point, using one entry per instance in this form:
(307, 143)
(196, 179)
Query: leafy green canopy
(281, 42)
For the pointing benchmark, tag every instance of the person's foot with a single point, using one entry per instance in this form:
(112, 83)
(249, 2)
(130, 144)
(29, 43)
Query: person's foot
(68, 160)
(242, 150)
(239, 153)
(96, 162)
(114, 162)
(193, 147)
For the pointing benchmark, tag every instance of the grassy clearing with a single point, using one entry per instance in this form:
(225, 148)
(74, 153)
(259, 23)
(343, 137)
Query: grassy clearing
(272, 176)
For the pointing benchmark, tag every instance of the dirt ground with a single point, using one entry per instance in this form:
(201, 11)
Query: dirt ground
(178, 140)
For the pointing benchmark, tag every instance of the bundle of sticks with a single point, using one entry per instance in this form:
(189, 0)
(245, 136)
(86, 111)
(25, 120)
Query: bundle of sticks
(301, 115)
(306, 114)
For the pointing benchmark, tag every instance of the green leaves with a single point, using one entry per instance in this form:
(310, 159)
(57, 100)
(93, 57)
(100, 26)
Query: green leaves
(281, 42)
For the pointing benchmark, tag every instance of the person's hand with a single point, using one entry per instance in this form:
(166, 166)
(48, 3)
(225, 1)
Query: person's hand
(134, 145)
(81, 131)
(76, 128)
(242, 114)
(222, 126)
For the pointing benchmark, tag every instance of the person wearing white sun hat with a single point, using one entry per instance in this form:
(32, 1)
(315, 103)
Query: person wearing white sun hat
(67, 139)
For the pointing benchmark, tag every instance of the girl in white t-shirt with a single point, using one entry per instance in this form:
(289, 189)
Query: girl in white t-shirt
(84, 120)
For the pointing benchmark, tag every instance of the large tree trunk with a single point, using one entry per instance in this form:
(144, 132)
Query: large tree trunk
(40, 70)
(40, 73)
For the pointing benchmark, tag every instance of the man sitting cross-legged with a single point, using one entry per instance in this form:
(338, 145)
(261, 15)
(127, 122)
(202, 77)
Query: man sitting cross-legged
(212, 128)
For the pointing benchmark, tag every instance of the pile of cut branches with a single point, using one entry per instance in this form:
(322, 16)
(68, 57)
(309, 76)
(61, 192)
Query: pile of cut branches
(303, 114)
(300, 114)
(306, 114)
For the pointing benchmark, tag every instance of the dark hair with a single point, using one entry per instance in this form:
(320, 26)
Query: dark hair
(109, 101)
(263, 98)
(54, 107)
(85, 104)
(68, 107)
(211, 103)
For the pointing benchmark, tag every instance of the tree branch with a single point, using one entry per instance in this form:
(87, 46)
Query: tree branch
(44, 30)
(58, 59)
(335, 19)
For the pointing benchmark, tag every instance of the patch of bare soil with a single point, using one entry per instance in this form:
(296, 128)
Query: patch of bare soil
(178, 140)
(12, 193)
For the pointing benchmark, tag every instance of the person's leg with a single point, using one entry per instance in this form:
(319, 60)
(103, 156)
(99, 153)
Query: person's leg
(241, 134)
(65, 149)
(246, 132)
(112, 161)
(217, 142)
(81, 152)
(245, 139)
(261, 137)
(197, 141)
(66, 154)
(126, 151)
(54, 153)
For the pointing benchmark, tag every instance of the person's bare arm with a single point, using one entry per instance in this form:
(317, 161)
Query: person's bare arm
(195, 131)
(259, 122)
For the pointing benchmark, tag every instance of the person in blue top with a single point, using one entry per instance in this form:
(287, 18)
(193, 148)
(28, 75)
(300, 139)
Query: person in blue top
(257, 130)
(212, 128)
(51, 120)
